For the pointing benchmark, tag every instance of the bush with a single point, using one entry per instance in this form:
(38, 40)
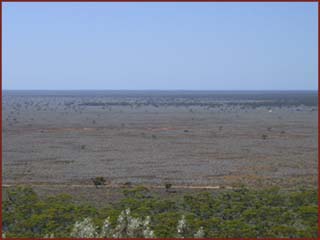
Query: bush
(225, 214)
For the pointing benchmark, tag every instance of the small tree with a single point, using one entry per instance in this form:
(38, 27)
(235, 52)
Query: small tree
(98, 181)
(168, 186)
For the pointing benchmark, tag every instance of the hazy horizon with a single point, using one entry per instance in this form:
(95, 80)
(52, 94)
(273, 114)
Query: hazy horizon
(186, 90)
(167, 90)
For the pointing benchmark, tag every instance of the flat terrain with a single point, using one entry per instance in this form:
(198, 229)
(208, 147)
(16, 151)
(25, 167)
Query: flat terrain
(59, 140)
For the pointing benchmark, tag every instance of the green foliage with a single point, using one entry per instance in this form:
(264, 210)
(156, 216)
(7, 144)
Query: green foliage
(238, 213)
(25, 215)
(139, 192)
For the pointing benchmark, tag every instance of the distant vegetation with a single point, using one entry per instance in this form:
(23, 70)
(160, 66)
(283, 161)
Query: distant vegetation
(222, 214)
(210, 99)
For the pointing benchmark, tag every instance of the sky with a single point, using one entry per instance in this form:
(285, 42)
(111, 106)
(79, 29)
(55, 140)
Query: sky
(160, 46)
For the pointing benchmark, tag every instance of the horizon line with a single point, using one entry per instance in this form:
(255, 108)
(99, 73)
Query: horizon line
(159, 89)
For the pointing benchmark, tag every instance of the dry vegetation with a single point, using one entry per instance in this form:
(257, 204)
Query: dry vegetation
(93, 145)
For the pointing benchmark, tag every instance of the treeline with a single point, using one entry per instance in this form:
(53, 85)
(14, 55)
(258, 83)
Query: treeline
(245, 213)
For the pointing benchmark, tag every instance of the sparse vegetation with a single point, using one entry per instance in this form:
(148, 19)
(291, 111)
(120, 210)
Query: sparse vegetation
(188, 139)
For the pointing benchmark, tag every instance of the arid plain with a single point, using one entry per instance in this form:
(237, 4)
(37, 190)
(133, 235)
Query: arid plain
(58, 141)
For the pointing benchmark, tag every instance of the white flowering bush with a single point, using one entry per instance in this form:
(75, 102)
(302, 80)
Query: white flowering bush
(127, 227)
(51, 235)
(147, 232)
(84, 229)
(182, 227)
(183, 230)
(200, 233)
(106, 230)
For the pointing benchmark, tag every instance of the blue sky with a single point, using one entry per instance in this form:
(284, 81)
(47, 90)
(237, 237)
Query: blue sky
(192, 46)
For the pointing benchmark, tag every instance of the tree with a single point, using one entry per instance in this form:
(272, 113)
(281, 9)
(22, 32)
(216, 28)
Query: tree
(98, 181)
(168, 186)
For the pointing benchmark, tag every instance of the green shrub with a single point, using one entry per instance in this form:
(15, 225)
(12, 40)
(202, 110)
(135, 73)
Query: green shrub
(237, 213)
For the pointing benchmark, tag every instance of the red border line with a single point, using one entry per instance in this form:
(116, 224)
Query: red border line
(161, 1)
(156, 1)
(1, 116)
(318, 124)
